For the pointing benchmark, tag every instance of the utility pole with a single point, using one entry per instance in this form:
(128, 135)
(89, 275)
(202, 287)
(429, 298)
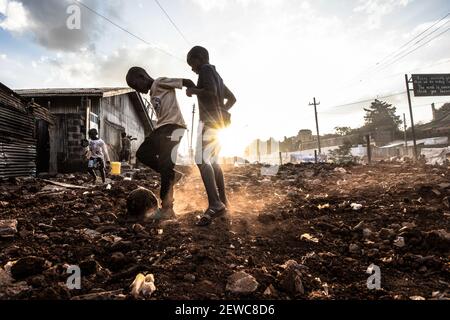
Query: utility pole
(191, 149)
(405, 127)
(315, 104)
(408, 91)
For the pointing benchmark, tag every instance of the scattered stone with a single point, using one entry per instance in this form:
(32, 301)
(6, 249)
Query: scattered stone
(399, 242)
(266, 218)
(340, 170)
(417, 298)
(27, 267)
(356, 206)
(242, 283)
(367, 233)
(354, 248)
(8, 228)
(309, 238)
(386, 233)
(189, 278)
(291, 278)
(270, 291)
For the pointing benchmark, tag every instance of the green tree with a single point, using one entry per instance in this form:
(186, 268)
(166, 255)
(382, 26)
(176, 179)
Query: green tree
(381, 115)
(343, 131)
(342, 155)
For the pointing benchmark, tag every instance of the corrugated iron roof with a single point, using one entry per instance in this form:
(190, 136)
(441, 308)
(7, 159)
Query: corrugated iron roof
(93, 92)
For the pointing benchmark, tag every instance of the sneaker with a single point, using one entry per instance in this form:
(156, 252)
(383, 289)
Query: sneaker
(163, 214)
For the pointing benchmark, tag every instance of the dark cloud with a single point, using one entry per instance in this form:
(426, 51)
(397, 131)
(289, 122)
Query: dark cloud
(49, 17)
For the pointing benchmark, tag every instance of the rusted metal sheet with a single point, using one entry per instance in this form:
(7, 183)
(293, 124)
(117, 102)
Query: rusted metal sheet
(17, 143)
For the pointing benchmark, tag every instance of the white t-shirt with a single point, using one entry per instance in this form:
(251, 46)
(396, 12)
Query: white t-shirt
(165, 103)
(98, 149)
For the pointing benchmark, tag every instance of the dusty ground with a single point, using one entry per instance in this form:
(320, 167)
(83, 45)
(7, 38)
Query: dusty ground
(304, 214)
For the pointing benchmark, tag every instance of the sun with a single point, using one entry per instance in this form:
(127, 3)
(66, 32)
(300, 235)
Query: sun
(230, 142)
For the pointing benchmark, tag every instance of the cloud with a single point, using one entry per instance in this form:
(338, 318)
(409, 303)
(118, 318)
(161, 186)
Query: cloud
(46, 21)
(378, 9)
(208, 5)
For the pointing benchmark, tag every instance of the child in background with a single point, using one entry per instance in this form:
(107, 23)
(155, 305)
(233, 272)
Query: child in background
(97, 154)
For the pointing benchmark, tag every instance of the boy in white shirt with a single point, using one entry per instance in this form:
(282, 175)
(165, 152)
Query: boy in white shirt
(160, 149)
(97, 154)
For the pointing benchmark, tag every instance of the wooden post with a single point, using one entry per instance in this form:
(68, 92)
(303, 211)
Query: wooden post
(281, 159)
(408, 91)
(315, 157)
(369, 149)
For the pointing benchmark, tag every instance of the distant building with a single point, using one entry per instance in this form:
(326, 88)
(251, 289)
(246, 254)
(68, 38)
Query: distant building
(110, 110)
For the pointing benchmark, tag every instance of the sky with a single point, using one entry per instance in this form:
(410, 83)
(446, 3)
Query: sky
(275, 55)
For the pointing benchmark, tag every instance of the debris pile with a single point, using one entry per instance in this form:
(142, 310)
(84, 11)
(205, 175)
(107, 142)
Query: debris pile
(303, 232)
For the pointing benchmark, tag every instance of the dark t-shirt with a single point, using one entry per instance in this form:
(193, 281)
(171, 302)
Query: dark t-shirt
(211, 106)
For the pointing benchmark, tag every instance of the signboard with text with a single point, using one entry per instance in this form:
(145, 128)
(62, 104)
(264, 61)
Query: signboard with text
(431, 85)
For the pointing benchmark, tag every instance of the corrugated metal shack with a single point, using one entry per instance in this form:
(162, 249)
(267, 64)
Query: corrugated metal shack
(20, 123)
(110, 110)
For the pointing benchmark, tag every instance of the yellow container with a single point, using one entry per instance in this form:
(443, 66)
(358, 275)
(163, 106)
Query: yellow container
(116, 168)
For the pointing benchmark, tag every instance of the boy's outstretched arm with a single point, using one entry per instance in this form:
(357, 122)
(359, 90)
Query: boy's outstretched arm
(231, 99)
(188, 83)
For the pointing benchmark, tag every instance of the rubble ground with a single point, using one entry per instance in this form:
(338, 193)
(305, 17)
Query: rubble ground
(310, 232)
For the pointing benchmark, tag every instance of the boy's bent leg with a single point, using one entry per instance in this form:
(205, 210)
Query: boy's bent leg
(220, 182)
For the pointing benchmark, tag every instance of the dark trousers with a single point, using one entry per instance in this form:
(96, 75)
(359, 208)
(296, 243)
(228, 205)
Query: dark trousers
(159, 152)
(97, 164)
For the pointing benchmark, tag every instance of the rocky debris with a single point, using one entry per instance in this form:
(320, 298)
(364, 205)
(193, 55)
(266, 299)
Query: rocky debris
(242, 283)
(8, 228)
(439, 239)
(90, 228)
(140, 202)
(143, 286)
(27, 267)
(291, 278)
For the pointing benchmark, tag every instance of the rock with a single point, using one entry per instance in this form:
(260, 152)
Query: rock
(27, 267)
(291, 278)
(399, 242)
(417, 298)
(386, 233)
(266, 218)
(118, 260)
(367, 233)
(140, 202)
(359, 226)
(242, 283)
(89, 267)
(356, 206)
(189, 277)
(354, 248)
(8, 228)
(340, 170)
(439, 239)
(270, 291)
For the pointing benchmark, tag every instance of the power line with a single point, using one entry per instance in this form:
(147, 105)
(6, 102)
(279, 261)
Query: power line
(368, 100)
(173, 23)
(423, 32)
(412, 51)
(128, 32)
(399, 51)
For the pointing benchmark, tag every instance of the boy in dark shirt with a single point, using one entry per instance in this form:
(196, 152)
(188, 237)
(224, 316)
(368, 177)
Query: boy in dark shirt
(211, 93)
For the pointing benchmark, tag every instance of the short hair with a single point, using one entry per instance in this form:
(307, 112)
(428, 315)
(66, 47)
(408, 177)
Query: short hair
(123, 134)
(133, 73)
(93, 132)
(199, 53)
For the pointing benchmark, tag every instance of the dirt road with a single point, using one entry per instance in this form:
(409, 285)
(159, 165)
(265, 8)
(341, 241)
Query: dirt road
(333, 222)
